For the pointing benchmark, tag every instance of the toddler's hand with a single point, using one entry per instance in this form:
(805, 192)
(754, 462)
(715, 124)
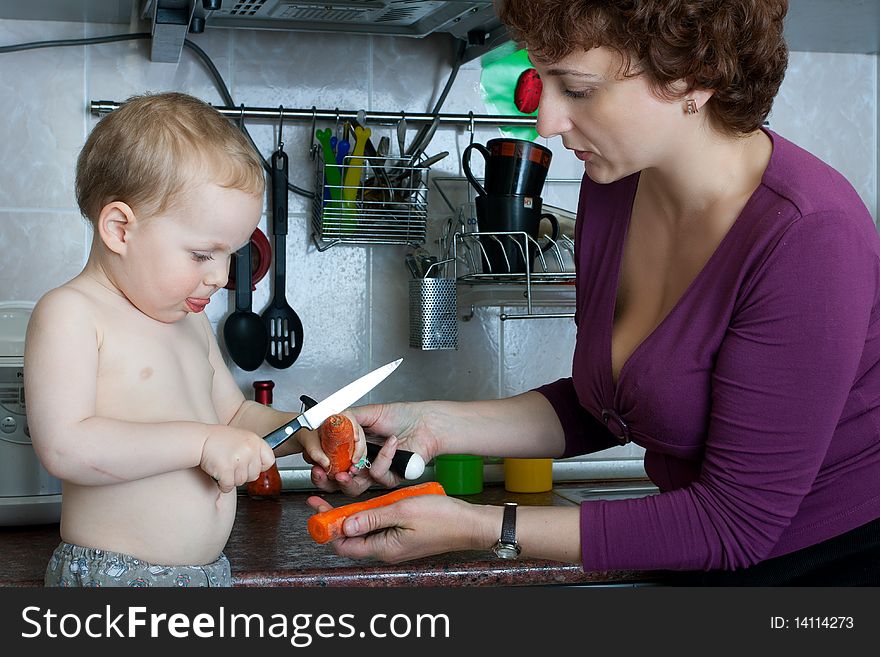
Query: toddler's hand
(232, 457)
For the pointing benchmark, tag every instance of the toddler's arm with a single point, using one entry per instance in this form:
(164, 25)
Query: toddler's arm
(236, 411)
(61, 369)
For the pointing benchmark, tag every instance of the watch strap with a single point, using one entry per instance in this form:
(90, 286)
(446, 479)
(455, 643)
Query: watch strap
(508, 524)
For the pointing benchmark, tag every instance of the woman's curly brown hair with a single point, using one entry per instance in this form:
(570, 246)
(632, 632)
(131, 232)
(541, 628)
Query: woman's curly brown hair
(733, 47)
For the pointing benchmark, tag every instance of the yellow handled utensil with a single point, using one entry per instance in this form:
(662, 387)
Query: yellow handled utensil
(355, 164)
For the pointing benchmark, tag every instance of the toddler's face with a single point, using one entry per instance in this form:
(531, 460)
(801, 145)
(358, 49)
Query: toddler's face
(178, 260)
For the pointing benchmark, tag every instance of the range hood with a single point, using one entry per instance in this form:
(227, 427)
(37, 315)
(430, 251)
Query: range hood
(471, 21)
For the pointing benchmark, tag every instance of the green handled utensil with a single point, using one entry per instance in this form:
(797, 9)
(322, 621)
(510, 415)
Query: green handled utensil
(332, 178)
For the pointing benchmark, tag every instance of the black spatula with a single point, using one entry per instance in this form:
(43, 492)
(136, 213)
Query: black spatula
(283, 325)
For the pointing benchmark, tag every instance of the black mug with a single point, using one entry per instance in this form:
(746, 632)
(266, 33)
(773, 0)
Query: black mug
(504, 254)
(513, 167)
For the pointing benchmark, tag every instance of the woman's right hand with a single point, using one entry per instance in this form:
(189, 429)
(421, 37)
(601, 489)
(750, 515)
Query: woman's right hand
(232, 457)
(403, 425)
(414, 527)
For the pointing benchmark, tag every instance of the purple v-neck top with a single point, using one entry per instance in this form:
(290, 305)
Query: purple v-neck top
(757, 399)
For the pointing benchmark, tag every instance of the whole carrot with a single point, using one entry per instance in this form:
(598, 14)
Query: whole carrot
(337, 442)
(327, 526)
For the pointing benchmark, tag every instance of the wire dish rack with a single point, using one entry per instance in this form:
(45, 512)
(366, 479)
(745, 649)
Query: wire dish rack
(542, 268)
(388, 203)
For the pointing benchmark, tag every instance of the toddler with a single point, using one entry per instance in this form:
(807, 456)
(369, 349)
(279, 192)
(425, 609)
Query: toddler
(130, 402)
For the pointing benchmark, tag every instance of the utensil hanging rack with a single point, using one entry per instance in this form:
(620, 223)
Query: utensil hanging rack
(469, 120)
(375, 213)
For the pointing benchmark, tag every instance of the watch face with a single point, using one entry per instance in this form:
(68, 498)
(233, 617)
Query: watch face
(506, 552)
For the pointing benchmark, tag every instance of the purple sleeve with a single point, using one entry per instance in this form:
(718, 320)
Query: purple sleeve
(584, 434)
(781, 379)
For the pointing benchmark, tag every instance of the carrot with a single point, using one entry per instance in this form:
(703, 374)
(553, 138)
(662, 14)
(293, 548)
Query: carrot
(327, 526)
(337, 441)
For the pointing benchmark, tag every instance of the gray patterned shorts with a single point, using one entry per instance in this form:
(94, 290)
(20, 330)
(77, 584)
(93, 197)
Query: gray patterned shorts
(74, 565)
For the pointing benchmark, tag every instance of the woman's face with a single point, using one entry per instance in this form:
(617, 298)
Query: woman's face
(616, 125)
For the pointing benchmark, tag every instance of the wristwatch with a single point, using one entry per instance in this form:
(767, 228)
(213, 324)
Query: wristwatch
(507, 547)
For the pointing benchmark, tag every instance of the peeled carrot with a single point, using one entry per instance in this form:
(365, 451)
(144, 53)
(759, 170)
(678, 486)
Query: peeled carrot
(337, 442)
(327, 526)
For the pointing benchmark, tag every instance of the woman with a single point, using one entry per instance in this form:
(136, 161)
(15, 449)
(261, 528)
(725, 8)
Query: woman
(727, 297)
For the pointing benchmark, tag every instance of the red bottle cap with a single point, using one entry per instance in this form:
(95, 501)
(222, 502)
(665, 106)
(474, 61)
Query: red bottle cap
(263, 392)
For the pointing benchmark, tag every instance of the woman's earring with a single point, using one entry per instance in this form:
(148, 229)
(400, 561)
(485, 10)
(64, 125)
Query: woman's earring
(690, 106)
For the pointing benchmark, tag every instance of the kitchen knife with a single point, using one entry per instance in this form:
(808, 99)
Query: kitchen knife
(406, 464)
(335, 403)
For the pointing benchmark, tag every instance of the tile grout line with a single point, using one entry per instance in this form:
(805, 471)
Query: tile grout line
(368, 306)
(86, 78)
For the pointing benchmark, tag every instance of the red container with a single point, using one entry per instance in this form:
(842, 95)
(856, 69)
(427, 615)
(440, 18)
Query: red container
(268, 484)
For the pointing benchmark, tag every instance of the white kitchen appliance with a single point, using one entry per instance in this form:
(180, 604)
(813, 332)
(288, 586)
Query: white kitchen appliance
(28, 494)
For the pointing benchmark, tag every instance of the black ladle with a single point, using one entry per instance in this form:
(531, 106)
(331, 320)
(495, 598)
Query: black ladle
(243, 331)
(281, 323)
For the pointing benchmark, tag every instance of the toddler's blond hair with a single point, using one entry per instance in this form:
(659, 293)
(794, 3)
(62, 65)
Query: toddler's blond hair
(156, 145)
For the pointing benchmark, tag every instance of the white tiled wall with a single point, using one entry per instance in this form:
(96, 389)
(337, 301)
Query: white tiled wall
(352, 299)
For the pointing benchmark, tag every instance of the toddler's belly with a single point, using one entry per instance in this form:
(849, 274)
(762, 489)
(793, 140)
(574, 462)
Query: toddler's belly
(177, 518)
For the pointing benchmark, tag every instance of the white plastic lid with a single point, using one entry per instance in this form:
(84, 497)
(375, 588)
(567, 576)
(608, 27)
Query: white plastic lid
(14, 316)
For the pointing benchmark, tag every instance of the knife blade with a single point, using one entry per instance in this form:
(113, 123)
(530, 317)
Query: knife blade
(335, 403)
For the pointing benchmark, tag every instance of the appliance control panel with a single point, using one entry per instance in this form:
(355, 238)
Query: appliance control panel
(13, 417)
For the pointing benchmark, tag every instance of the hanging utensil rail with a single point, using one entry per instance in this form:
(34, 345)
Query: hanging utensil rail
(101, 107)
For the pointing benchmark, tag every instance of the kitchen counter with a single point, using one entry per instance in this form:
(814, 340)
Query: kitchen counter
(269, 546)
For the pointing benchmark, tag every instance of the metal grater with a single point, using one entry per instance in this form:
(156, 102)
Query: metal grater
(433, 320)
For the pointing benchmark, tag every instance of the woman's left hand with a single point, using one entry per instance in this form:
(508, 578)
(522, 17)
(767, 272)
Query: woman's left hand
(411, 528)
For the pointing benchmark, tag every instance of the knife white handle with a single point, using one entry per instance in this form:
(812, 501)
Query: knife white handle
(406, 464)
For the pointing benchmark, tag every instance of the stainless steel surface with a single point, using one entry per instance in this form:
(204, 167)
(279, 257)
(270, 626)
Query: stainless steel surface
(315, 414)
(171, 19)
(77, 11)
(833, 26)
(21, 473)
(592, 472)
(433, 320)
(28, 493)
(622, 490)
(377, 213)
(471, 242)
(432, 160)
(401, 138)
(422, 140)
(101, 107)
(459, 240)
(412, 18)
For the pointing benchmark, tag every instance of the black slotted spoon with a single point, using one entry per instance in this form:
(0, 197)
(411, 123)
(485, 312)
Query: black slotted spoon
(283, 325)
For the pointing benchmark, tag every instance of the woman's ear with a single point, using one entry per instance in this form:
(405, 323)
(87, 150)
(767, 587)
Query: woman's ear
(115, 223)
(701, 97)
(691, 98)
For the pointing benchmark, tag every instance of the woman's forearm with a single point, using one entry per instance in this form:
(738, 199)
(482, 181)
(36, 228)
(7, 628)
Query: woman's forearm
(542, 532)
(524, 426)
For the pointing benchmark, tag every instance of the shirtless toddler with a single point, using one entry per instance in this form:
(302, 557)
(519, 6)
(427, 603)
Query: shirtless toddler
(130, 403)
